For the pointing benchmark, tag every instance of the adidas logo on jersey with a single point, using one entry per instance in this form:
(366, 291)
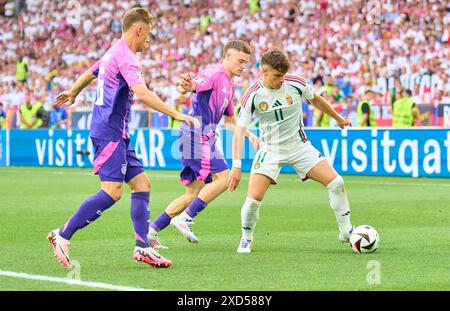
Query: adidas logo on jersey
(277, 104)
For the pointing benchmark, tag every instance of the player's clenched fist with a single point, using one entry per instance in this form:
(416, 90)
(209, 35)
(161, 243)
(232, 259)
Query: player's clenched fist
(186, 82)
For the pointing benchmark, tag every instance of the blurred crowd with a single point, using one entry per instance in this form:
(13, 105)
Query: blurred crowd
(343, 47)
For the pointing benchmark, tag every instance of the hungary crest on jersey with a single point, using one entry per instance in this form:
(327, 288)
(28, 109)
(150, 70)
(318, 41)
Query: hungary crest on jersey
(289, 100)
(263, 106)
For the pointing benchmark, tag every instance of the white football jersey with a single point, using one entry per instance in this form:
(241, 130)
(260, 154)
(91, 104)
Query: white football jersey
(279, 111)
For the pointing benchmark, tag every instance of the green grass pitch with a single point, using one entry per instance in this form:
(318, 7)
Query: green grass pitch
(295, 247)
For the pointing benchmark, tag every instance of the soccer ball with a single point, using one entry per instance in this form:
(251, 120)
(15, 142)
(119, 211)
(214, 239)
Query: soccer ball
(364, 239)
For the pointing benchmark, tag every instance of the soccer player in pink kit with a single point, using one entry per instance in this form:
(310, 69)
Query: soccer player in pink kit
(202, 162)
(119, 76)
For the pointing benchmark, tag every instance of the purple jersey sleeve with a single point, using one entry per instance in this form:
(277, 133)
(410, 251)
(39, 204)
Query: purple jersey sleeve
(229, 111)
(95, 68)
(131, 72)
(204, 81)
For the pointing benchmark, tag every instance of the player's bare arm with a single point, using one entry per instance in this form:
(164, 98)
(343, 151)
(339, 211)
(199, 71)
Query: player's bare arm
(68, 97)
(323, 105)
(153, 101)
(230, 123)
(238, 142)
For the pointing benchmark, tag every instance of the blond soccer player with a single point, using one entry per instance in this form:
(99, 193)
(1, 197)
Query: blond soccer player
(119, 76)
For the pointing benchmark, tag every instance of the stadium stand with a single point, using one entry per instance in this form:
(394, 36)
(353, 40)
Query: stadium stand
(343, 45)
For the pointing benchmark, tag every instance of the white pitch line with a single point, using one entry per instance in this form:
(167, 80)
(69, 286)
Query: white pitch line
(70, 281)
(176, 176)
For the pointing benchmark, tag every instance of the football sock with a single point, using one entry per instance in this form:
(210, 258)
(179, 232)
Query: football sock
(249, 217)
(160, 223)
(339, 204)
(140, 215)
(91, 209)
(197, 205)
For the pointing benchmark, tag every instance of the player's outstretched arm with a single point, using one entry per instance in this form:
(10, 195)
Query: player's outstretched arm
(68, 97)
(230, 123)
(321, 103)
(238, 142)
(152, 100)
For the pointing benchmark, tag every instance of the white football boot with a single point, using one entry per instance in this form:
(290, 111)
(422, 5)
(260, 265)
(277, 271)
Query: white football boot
(245, 246)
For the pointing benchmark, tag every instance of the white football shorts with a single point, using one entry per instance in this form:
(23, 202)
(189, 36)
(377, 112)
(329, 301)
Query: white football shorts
(302, 157)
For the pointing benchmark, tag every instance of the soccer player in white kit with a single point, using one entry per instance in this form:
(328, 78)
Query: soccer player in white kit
(276, 99)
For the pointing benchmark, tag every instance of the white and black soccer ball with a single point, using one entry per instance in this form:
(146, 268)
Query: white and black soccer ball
(364, 239)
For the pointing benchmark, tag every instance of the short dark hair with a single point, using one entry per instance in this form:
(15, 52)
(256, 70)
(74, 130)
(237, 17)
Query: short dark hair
(408, 91)
(237, 45)
(136, 15)
(277, 60)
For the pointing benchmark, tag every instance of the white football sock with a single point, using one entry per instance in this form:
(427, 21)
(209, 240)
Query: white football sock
(249, 217)
(184, 216)
(339, 204)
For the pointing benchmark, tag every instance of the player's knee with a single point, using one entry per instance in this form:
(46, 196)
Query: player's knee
(222, 177)
(148, 187)
(117, 195)
(142, 184)
(192, 192)
(255, 195)
(337, 184)
(220, 180)
(223, 184)
(115, 192)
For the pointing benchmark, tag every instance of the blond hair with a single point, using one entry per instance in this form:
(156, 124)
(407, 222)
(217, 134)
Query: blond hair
(136, 15)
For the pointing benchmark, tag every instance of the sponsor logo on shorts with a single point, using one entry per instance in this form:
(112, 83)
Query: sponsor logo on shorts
(263, 106)
(124, 169)
(289, 100)
(257, 166)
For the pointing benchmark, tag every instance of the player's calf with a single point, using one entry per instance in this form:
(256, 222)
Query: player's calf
(340, 206)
